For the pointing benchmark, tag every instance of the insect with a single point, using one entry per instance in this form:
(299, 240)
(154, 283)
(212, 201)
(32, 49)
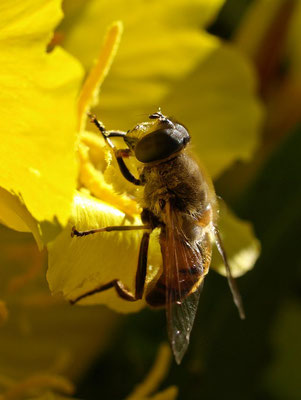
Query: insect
(179, 199)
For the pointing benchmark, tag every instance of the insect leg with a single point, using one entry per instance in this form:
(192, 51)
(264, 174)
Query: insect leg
(119, 154)
(231, 281)
(120, 288)
(75, 232)
(142, 266)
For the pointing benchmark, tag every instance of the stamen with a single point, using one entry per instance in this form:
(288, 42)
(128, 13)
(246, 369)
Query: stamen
(93, 180)
(90, 90)
(155, 376)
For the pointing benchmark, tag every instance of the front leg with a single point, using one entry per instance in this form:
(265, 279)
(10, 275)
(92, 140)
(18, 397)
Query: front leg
(119, 154)
(75, 232)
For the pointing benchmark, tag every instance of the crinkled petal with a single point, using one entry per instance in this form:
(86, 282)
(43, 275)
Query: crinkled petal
(239, 241)
(80, 264)
(38, 114)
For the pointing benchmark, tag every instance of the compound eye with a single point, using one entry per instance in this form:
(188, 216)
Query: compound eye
(159, 144)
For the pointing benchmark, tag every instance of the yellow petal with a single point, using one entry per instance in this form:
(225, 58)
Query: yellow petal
(239, 241)
(16, 216)
(80, 264)
(217, 104)
(38, 113)
(85, 23)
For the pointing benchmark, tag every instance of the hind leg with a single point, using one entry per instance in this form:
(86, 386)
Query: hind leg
(120, 288)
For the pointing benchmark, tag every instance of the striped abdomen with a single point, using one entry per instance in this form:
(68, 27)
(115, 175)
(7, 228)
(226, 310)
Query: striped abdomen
(184, 267)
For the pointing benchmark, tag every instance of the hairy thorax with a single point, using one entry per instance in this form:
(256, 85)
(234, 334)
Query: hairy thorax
(179, 181)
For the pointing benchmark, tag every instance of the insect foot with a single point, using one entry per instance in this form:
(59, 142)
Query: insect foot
(75, 232)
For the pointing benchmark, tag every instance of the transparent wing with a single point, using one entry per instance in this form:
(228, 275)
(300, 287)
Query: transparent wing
(185, 266)
(180, 322)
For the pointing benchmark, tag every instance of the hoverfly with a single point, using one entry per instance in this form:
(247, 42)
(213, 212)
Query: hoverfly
(179, 199)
